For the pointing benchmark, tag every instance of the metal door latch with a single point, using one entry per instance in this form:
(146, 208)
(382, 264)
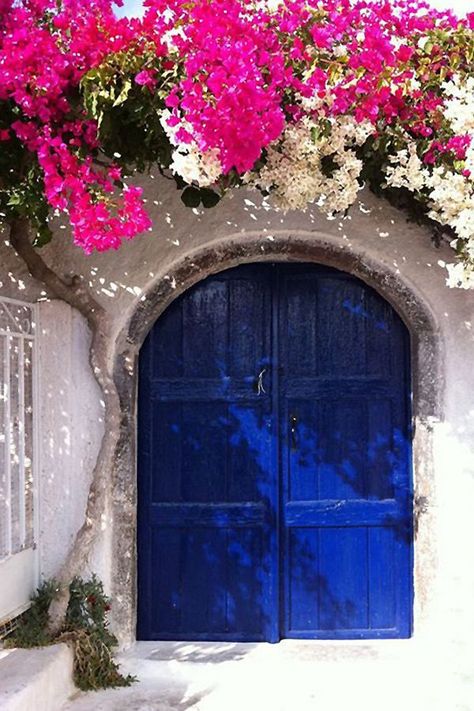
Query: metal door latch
(258, 386)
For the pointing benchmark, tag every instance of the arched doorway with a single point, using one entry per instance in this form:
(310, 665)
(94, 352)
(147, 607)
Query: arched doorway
(274, 461)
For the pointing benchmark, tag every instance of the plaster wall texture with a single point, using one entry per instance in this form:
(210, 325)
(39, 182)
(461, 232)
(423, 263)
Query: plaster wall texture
(122, 281)
(71, 424)
(36, 679)
(15, 282)
(295, 674)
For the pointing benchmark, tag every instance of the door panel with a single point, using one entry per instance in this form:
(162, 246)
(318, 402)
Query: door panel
(207, 586)
(274, 461)
(345, 460)
(208, 482)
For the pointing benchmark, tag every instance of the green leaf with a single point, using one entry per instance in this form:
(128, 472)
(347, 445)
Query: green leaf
(191, 197)
(329, 165)
(180, 183)
(209, 198)
(14, 199)
(42, 237)
(123, 96)
(93, 104)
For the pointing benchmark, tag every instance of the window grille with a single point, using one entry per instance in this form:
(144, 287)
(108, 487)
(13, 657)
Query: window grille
(17, 431)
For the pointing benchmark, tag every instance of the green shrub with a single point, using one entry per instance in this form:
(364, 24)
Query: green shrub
(85, 628)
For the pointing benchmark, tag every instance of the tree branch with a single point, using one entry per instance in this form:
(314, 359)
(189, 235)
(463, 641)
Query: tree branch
(72, 293)
(101, 362)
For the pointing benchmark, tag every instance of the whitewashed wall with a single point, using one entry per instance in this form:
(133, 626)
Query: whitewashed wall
(71, 425)
(70, 400)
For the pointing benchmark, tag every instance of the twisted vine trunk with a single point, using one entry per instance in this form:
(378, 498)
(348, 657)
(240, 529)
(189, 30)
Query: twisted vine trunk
(72, 292)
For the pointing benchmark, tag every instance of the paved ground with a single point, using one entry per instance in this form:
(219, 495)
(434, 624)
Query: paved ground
(290, 676)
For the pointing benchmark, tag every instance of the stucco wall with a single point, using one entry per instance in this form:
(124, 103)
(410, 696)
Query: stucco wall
(118, 278)
(121, 280)
(15, 282)
(71, 424)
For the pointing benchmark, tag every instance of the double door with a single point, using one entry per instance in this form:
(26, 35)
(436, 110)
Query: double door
(274, 461)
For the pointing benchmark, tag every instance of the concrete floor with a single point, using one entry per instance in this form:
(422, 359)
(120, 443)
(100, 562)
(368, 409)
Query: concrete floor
(289, 676)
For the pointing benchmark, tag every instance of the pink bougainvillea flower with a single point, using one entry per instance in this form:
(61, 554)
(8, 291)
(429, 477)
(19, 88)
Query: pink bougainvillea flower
(147, 77)
(242, 73)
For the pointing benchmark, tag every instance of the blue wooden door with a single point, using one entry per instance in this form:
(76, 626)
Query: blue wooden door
(274, 461)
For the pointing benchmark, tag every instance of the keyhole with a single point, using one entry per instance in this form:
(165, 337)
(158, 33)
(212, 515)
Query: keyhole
(293, 431)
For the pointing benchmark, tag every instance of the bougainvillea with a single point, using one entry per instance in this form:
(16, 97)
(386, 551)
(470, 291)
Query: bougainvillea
(48, 143)
(303, 100)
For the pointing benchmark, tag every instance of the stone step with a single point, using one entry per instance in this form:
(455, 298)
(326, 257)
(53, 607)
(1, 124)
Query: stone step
(35, 679)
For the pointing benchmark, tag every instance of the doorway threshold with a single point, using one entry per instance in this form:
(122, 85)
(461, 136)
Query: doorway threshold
(293, 675)
(285, 650)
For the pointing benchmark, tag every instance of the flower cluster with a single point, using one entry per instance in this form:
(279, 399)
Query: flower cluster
(202, 167)
(301, 99)
(305, 166)
(440, 174)
(459, 104)
(450, 198)
(44, 53)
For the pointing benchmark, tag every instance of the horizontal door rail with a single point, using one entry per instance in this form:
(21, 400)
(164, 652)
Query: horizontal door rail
(207, 389)
(314, 388)
(344, 513)
(233, 389)
(215, 515)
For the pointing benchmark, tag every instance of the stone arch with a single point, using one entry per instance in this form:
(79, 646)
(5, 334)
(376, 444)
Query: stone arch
(301, 246)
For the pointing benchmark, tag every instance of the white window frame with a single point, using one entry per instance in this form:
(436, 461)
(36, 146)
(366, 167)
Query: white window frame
(19, 571)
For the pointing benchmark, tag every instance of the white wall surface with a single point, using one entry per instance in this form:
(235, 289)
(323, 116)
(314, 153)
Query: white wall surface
(71, 425)
(70, 400)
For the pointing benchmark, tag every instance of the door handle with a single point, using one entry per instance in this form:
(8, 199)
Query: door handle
(293, 432)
